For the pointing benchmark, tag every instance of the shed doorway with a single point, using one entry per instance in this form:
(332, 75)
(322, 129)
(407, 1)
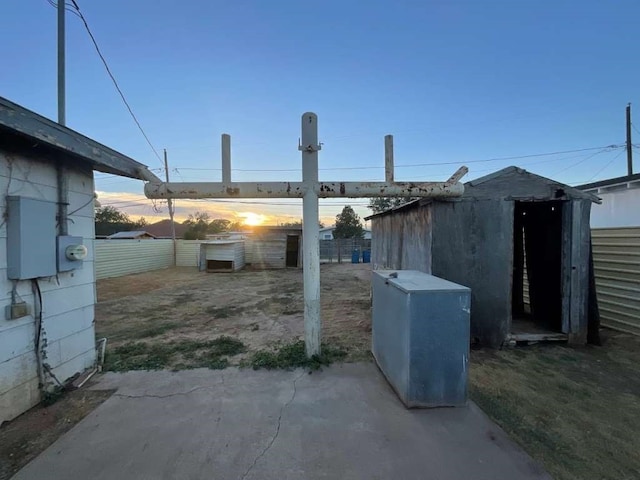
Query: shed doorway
(537, 292)
(293, 250)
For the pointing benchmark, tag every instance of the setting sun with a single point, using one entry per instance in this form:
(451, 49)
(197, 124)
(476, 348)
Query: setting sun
(252, 219)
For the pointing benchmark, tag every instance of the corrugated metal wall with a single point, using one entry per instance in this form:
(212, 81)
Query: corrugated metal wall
(115, 258)
(616, 258)
(188, 253)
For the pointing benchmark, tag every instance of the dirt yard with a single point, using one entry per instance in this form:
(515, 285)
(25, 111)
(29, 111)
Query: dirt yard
(577, 410)
(170, 317)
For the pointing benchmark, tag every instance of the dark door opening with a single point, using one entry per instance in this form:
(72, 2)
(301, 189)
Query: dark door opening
(219, 266)
(537, 267)
(293, 246)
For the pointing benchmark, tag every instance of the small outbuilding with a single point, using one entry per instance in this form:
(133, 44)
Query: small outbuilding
(274, 247)
(222, 255)
(520, 241)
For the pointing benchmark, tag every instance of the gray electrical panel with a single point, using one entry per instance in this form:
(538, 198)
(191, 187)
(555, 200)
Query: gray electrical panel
(421, 337)
(31, 238)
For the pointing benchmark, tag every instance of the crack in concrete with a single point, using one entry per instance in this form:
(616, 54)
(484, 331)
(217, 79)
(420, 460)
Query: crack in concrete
(169, 395)
(277, 432)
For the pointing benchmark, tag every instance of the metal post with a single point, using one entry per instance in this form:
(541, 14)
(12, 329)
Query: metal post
(171, 211)
(62, 117)
(388, 158)
(311, 234)
(226, 158)
(629, 144)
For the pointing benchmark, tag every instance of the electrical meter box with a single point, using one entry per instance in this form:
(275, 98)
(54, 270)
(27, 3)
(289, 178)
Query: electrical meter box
(71, 252)
(31, 238)
(420, 332)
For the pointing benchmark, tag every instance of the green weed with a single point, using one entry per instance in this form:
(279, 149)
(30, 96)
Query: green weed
(292, 355)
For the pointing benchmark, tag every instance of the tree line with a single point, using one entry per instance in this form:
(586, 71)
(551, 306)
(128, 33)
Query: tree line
(110, 220)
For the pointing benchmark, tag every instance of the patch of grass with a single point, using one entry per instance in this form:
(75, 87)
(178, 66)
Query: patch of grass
(576, 410)
(154, 330)
(223, 312)
(292, 355)
(182, 353)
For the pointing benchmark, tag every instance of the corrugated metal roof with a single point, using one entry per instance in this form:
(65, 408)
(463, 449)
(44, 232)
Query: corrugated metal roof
(502, 177)
(611, 182)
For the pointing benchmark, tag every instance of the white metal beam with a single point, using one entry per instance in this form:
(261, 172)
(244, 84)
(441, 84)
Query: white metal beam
(298, 189)
(310, 189)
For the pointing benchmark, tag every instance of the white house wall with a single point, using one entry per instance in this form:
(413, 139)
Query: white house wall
(68, 300)
(619, 208)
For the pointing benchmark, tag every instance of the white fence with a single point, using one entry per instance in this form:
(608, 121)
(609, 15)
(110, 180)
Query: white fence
(116, 258)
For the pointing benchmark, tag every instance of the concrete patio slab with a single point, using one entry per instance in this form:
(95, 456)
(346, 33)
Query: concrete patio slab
(341, 423)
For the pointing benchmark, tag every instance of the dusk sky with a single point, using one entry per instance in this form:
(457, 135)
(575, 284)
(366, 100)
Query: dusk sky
(457, 82)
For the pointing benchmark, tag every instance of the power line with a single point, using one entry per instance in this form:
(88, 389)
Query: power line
(113, 79)
(581, 161)
(606, 166)
(67, 7)
(433, 164)
(634, 127)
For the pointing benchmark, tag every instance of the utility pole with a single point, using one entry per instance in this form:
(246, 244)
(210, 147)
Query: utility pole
(62, 116)
(629, 144)
(170, 204)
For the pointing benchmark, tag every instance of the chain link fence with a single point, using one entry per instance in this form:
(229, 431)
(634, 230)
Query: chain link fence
(341, 250)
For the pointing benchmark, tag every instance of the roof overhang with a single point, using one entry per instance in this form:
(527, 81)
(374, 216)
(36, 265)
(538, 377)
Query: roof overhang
(612, 184)
(40, 132)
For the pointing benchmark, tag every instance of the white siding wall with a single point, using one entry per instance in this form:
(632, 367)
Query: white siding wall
(239, 253)
(619, 208)
(231, 252)
(115, 258)
(68, 300)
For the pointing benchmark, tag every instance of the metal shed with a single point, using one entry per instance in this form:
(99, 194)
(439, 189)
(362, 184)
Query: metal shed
(511, 229)
(274, 247)
(222, 255)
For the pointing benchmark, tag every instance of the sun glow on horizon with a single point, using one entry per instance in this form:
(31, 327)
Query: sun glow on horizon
(252, 219)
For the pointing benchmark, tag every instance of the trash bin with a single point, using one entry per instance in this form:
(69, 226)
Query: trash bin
(355, 256)
(420, 332)
(366, 256)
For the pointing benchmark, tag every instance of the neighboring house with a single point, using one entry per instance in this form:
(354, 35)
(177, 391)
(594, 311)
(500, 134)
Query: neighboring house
(274, 247)
(47, 285)
(616, 250)
(133, 235)
(480, 240)
(620, 202)
(162, 229)
(327, 233)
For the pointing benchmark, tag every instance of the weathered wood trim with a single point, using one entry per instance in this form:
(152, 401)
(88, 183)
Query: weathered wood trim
(579, 271)
(567, 264)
